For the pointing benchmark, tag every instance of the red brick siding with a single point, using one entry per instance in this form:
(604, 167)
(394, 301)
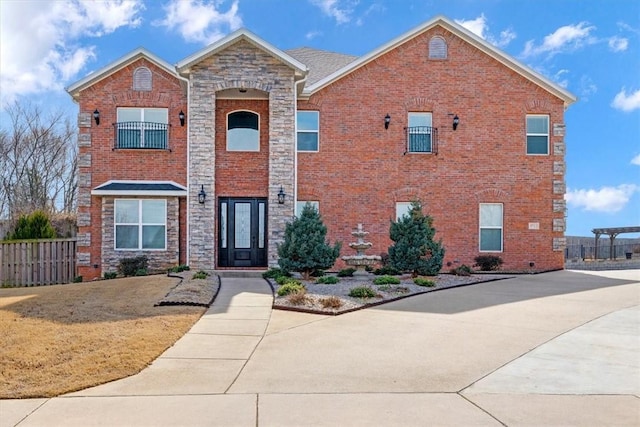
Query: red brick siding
(360, 171)
(109, 164)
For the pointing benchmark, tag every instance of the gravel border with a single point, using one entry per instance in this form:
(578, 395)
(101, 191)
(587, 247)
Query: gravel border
(193, 292)
(385, 294)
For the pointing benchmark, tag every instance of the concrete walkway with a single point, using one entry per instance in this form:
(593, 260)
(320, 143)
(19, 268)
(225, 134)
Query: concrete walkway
(559, 348)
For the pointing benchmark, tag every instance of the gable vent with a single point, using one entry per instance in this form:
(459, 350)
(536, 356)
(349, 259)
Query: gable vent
(437, 48)
(142, 79)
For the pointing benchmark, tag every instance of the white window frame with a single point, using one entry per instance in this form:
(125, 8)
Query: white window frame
(528, 134)
(490, 227)
(313, 131)
(142, 120)
(139, 224)
(301, 203)
(416, 114)
(255, 150)
(402, 208)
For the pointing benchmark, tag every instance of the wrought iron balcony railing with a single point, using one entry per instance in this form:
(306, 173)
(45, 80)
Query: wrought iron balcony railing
(422, 139)
(147, 135)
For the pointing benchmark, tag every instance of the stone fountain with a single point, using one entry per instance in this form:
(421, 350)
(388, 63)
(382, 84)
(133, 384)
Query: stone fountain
(360, 260)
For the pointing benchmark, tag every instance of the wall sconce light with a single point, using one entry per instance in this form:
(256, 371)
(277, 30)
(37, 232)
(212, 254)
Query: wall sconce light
(281, 196)
(181, 117)
(96, 116)
(202, 195)
(387, 120)
(456, 121)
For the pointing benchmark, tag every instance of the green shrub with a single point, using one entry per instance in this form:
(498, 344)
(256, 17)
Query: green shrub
(488, 262)
(141, 272)
(305, 249)
(386, 270)
(77, 279)
(414, 248)
(33, 226)
(274, 273)
(179, 268)
(281, 280)
(346, 272)
(421, 281)
(386, 280)
(201, 275)
(362, 292)
(131, 266)
(327, 280)
(108, 275)
(291, 287)
(463, 270)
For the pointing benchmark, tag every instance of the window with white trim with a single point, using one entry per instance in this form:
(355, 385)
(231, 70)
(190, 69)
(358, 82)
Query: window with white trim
(419, 133)
(491, 227)
(537, 134)
(142, 128)
(140, 224)
(300, 205)
(308, 123)
(402, 208)
(243, 131)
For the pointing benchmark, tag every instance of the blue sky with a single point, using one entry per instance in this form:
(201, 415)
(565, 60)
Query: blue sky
(590, 47)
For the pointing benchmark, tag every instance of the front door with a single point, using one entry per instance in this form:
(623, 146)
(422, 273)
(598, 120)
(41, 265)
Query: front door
(242, 232)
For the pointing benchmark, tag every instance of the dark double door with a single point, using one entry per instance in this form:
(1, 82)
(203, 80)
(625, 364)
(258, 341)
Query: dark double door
(242, 232)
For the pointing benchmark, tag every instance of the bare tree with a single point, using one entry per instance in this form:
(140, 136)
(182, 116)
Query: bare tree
(38, 160)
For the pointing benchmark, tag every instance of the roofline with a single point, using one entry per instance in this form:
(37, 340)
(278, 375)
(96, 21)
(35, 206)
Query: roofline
(98, 192)
(117, 65)
(464, 34)
(183, 66)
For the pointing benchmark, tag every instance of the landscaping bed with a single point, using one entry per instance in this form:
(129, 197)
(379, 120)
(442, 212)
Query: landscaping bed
(334, 299)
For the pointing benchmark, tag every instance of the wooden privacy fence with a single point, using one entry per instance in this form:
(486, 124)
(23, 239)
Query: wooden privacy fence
(37, 262)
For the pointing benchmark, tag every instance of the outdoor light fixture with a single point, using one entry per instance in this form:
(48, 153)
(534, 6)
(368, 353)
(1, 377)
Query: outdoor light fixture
(456, 120)
(96, 116)
(387, 120)
(202, 195)
(181, 117)
(281, 196)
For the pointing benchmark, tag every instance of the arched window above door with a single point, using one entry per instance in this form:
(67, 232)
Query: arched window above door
(243, 131)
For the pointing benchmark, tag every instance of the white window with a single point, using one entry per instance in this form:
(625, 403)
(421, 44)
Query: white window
(419, 133)
(142, 128)
(300, 205)
(308, 123)
(537, 134)
(243, 131)
(402, 208)
(491, 227)
(140, 224)
(437, 48)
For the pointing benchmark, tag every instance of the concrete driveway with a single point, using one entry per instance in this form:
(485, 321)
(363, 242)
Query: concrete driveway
(559, 348)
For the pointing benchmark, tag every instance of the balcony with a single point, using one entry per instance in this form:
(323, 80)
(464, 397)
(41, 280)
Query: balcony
(141, 135)
(422, 139)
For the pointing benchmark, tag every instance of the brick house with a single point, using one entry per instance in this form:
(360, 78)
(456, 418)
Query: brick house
(205, 162)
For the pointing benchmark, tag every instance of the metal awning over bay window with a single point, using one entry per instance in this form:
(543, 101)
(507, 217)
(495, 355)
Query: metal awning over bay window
(145, 128)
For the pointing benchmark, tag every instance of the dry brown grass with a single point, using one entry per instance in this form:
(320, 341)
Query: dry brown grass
(58, 339)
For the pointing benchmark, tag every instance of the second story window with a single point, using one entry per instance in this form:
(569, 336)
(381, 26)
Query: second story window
(308, 123)
(420, 134)
(142, 128)
(537, 134)
(243, 131)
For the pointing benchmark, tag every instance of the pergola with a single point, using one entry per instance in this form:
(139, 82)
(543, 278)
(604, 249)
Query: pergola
(612, 233)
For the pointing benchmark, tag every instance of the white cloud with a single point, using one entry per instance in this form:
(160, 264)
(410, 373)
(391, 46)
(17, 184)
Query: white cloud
(636, 160)
(587, 88)
(40, 51)
(312, 35)
(626, 103)
(200, 21)
(480, 28)
(334, 9)
(564, 39)
(560, 79)
(606, 199)
(618, 44)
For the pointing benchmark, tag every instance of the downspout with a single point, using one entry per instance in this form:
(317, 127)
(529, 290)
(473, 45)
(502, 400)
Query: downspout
(188, 82)
(295, 143)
